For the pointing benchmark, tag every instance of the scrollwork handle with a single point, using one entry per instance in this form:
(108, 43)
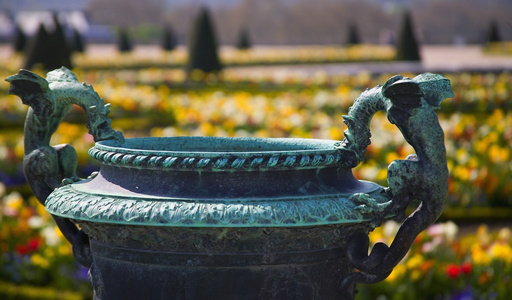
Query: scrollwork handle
(410, 105)
(48, 167)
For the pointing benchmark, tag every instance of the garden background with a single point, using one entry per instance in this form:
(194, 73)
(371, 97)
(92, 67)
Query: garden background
(277, 72)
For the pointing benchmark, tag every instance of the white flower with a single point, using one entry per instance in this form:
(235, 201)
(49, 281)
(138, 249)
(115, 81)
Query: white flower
(390, 228)
(50, 235)
(35, 222)
(450, 230)
(2, 189)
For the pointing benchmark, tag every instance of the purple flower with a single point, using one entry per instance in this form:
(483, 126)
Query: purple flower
(82, 273)
(466, 294)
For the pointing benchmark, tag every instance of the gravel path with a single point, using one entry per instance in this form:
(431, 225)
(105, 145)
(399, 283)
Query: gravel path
(438, 59)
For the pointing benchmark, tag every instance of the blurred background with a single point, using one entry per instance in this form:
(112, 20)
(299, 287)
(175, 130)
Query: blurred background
(272, 68)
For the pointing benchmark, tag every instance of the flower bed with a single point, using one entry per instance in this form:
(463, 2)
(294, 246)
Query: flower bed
(157, 102)
(33, 253)
(445, 265)
(442, 264)
(258, 56)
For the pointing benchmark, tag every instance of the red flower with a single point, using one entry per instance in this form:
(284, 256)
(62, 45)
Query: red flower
(22, 249)
(33, 244)
(466, 268)
(453, 271)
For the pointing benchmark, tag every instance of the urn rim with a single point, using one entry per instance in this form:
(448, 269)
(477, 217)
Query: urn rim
(218, 153)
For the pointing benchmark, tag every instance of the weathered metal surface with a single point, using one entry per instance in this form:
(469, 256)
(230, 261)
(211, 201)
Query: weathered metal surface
(234, 218)
(423, 177)
(47, 167)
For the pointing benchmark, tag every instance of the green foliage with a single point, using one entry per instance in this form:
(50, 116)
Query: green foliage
(49, 49)
(407, 47)
(494, 35)
(168, 39)
(353, 35)
(244, 42)
(203, 45)
(124, 43)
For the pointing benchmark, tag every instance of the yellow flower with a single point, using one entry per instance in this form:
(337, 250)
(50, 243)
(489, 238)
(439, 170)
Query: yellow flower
(391, 157)
(414, 262)
(462, 155)
(40, 261)
(502, 251)
(207, 129)
(13, 203)
(461, 172)
(64, 249)
(505, 234)
(480, 257)
(397, 272)
(376, 235)
(415, 275)
(49, 252)
(381, 175)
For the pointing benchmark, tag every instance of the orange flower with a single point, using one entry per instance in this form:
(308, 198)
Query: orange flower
(426, 266)
(484, 278)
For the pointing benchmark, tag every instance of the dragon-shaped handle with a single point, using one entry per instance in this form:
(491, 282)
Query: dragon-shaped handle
(410, 105)
(48, 167)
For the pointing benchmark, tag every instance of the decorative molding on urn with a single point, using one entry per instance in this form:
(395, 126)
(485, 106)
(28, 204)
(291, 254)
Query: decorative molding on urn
(232, 162)
(281, 212)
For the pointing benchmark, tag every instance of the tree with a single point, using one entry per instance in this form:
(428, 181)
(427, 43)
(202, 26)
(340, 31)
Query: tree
(494, 35)
(77, 42)
(244, 42)
(407, 48)
(49, 49)
(202, 47)
(59, 53)
(353, 35)
(36, 49)
(124, 43)
(20, 39)
(168, 39)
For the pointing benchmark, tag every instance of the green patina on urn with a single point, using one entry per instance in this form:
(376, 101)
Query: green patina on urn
(234, 218)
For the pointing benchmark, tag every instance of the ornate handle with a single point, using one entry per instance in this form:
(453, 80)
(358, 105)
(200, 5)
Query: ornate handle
(48, 167)
(410, 105)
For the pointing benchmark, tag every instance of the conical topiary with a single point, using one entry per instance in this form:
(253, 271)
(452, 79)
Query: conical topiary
(59, 54)
(20, 39)
(244, 42)
(353, 35)
(77, 42)
(202, 47)
(407, 48)
(124, 43)
(494, 36)
(36, 48)
(168, 39)
(48, 49)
